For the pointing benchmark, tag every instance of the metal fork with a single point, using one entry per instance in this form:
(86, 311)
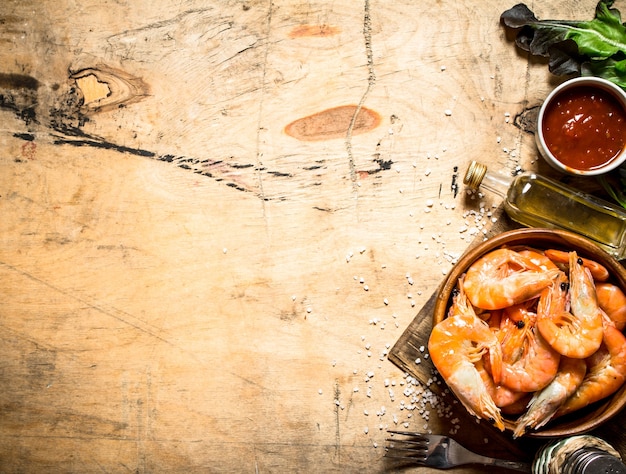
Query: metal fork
(441, 452)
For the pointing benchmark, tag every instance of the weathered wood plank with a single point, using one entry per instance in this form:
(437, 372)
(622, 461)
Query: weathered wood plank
(181, 278)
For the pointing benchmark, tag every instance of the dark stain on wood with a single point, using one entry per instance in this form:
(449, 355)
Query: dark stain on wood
(333, 123)
(65, 114)
(18, 81)
(383, 165)
(29, 137)
(105, 145)
(40, 366)
(454, 185)
(18, 93)
(303, 31)
(526, 120)
(280, 174)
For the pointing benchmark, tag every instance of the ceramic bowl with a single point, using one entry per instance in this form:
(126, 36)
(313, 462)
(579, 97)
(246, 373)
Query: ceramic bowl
(583, 420)
(582, 84)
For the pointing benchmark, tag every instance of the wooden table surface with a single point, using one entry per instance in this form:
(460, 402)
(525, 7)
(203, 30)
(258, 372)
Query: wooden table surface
(217, 217)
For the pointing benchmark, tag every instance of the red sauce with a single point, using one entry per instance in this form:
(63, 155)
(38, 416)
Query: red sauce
(585, 127)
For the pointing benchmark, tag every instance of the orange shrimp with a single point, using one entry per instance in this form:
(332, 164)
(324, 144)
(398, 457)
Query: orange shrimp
(519, 406)
(460, 303)
(612, 300)
(606, 372)
(544, 403)
(598, 271)
(529, 363)
(578, 332)
(503, 277)
(537, 257)
(456, 345)
(502, 396)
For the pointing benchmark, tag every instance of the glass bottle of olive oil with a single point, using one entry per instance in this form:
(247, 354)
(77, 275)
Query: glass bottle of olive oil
(537, 201)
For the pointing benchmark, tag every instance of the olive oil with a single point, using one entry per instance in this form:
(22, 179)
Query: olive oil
(537, 201)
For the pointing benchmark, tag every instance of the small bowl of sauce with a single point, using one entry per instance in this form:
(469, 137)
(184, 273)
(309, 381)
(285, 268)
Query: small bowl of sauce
(581, 127)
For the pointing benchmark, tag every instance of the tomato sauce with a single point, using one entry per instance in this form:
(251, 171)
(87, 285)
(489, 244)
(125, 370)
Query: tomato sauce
(585, 127)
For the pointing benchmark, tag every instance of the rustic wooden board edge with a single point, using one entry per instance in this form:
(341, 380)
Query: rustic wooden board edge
(407, 348)
(409, 354)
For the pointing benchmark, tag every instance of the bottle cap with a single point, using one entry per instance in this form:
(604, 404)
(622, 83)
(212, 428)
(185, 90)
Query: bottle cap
(474, 175)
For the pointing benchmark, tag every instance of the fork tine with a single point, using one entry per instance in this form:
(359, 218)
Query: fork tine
(413, 446)
(399, 453)
(407, 444)
(413, 459)
(412, 434)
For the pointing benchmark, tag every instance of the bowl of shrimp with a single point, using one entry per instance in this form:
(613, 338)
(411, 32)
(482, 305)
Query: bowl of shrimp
(527, 333)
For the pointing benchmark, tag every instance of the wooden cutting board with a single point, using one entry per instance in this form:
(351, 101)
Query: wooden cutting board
(481, 437)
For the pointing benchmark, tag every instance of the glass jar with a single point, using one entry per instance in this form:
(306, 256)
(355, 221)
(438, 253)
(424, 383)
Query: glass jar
(534, 200)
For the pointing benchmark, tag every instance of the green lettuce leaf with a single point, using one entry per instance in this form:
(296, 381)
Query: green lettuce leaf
(573, 47)
(612, 69)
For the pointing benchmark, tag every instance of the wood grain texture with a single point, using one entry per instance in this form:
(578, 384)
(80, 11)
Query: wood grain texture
(188, 288)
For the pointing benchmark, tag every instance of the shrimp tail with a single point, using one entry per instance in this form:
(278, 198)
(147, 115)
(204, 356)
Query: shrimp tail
(598, 271)
(545, 403)
(469, 388)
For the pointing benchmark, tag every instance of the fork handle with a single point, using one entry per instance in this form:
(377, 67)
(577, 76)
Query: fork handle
(511, 465)
(470, 457)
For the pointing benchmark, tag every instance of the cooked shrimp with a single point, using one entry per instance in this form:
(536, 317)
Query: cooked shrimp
(503, 278)
(598, 271)
(456, 345)
(544, 403)
(537, 257)
(575, 333)
(519, 406)
(529, 363)
(606, 371)
(612, 300)
(460, 303)
(502, 396)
